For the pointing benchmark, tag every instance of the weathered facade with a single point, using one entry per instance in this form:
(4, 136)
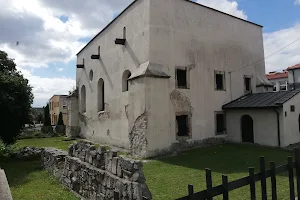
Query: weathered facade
(157, 76)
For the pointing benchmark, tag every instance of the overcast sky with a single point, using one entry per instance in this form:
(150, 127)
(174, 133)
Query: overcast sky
(51, 32)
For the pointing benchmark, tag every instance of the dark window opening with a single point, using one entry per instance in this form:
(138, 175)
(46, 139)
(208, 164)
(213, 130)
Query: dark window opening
(220, 82)
(181, 76)
(247, 84)
(299, 122)
(182, 123)
(292, 108)
(125, 82)
(220, 123)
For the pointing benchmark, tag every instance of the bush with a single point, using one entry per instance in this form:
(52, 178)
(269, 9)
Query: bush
(7, 151)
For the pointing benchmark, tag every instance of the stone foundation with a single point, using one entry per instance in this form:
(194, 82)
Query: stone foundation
(95, 173)
(72, 131)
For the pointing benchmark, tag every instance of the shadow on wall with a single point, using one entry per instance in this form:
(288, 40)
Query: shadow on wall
(106, 73)
(132, 55)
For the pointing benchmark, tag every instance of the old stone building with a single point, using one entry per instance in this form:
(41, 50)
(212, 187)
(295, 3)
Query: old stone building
(155, 79)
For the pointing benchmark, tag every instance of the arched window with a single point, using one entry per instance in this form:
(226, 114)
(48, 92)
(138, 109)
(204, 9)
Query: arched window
(125, 78)
(83, 99)
(100, 95)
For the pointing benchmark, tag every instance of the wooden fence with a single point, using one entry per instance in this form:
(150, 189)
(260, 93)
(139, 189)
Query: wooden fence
(250, 180)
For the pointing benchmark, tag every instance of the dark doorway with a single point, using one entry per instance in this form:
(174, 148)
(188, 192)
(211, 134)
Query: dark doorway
(247, 129)
(182, 122)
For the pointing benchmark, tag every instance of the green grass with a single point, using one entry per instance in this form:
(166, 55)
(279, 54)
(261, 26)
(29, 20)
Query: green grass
(169, 177)
(55, 142)
(28, 181)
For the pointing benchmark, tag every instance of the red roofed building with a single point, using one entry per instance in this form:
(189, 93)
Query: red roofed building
(294, 67)
(279, 80)
(289, 78)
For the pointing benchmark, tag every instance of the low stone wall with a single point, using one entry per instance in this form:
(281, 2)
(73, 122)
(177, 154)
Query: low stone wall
(95, 173)
(53, 160)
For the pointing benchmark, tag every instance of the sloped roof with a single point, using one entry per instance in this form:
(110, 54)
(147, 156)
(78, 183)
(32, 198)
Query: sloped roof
(277, 75)
(149, 69)
(294, 67)
(262, 100)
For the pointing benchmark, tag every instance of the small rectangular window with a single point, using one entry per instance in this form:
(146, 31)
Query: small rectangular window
(292, 108)
(220, 123)
(219, 80)
(182, 123)
(247, 82)
(283, 85)
(181, 78)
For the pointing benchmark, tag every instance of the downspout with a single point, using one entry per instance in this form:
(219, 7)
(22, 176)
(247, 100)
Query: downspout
(278, 127)
(294, 84)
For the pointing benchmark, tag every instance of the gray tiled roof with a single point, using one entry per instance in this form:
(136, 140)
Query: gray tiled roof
(262, 100)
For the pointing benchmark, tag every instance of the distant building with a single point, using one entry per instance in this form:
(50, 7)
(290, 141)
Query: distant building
(57, 104)
(289, 79)
(279, 80)
(294, 77)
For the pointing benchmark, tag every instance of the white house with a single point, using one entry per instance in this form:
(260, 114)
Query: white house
(271, 118)
(279, 80)
(156, 78)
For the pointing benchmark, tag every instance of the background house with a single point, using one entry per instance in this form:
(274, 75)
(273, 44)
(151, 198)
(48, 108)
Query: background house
(57, 104)
(279, 80)
(289, 79)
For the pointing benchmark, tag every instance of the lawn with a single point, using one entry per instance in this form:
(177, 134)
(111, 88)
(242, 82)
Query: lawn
(28, 181)
(55, 142)
(169, 177)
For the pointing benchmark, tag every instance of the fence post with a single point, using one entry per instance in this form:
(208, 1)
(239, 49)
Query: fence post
(291, 177)
(208, 184)
(263, 178)
(252, 183)
(297, 158)
(273, 181)
(191, 191)
(225, 187)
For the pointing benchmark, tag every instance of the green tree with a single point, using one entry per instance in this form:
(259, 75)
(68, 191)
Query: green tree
(60, 120)
(15, 100)
(47, 120)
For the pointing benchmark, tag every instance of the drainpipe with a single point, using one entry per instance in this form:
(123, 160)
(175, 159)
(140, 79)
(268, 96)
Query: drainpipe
(278, 127)
(294, 84)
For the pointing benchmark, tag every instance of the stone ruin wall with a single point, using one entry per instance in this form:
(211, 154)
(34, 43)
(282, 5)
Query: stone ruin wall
(95, 173)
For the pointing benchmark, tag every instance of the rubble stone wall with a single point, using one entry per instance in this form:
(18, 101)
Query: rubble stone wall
(95, 173)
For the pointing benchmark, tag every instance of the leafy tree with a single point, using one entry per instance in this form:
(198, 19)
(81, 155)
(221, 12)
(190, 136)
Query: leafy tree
(47, 120)
(15, 100)
(39, 118)
(60, 119)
